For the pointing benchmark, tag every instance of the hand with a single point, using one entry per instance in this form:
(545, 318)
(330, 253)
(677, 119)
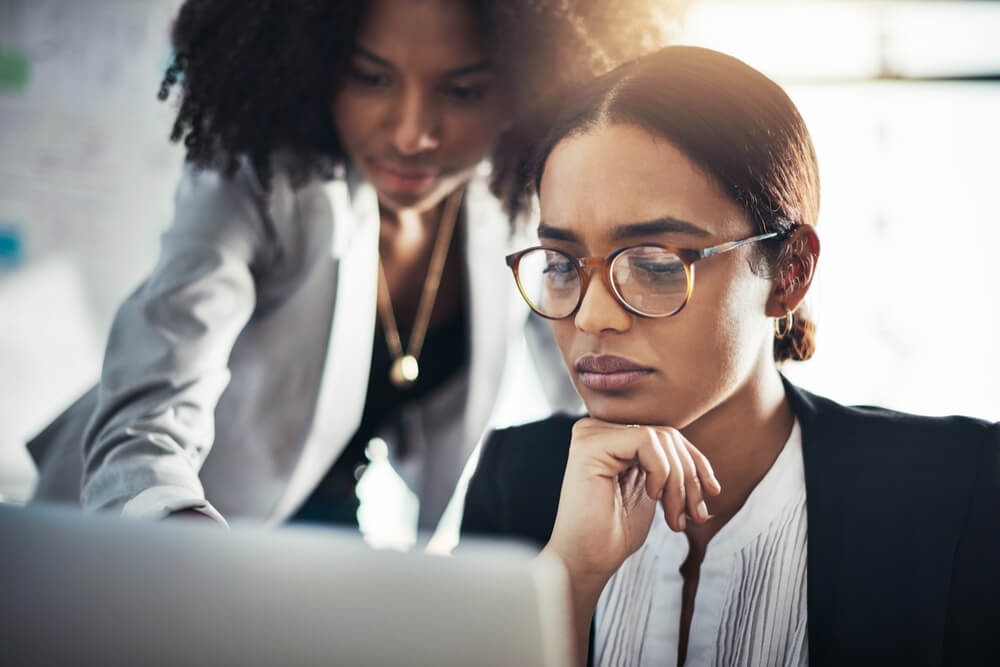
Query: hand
(190, 515)
(615, 475)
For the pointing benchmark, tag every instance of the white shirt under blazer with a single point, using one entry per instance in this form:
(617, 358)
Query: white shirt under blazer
(750, 604)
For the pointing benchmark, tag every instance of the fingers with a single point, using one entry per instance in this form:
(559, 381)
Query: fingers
(709, 482)
(693, 488)
(654, 462)
(618, 448)
(675, 494)
(677, 474)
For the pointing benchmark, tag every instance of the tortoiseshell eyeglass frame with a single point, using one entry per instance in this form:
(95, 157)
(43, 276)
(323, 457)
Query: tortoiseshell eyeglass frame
(605, 267)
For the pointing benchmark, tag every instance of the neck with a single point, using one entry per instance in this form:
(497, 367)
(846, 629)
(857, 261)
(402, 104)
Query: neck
(742, 438)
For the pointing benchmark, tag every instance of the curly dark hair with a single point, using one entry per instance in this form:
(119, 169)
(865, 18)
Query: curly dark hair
(257, 76)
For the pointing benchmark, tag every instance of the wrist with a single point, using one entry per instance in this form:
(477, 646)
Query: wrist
(584, 592)
(584, 586)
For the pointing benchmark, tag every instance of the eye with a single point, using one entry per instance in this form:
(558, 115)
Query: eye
(558, 271)
(466, 93)
(659, 268)
(558, 265)
(370, 79)
(651, 267)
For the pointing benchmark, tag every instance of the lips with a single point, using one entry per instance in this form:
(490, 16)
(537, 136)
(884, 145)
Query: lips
(394, 176)
(609, 373)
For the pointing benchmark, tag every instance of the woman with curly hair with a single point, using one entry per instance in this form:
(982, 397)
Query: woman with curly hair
(331, 275)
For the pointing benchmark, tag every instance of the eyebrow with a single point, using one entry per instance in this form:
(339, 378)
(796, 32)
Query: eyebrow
(458, 71)
(547, 231)
(666, 225)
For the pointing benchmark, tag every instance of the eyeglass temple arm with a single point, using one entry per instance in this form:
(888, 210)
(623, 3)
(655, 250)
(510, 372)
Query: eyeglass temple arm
(733, 245)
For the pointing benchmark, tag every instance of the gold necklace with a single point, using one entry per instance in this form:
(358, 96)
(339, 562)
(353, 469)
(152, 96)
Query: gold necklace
(405, 368)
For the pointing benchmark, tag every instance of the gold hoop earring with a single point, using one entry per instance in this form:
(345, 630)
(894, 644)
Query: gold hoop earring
(780, 332)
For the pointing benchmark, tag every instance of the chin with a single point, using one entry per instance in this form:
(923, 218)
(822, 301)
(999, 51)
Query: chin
(620, 409)
(636, 409)
(400, 201)
(420, 200)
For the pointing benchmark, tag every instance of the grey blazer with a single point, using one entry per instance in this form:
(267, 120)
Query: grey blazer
(236, 373)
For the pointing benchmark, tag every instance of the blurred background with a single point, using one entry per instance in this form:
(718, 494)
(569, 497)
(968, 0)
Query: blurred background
(902, 98)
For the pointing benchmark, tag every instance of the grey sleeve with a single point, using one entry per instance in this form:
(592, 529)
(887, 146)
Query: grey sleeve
(166, 362)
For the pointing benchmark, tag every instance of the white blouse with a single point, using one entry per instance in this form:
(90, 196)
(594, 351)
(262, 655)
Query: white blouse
(750, 606)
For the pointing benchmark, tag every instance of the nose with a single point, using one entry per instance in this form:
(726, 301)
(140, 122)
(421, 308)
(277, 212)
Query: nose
(416, 124)
(599, 311)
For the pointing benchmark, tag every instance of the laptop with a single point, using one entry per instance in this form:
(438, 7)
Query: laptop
(79, 589)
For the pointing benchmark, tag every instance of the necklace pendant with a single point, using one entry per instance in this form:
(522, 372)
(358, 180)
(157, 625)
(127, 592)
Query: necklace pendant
(405, 371)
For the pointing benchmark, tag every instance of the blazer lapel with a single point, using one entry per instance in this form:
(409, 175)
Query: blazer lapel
(494, 321)
(354, 250)
(827, 514)
(494, 318)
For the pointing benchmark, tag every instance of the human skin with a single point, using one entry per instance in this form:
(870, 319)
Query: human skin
(702, 385)
(419, 110)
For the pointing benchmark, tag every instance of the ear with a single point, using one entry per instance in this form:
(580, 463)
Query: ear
(794, 272)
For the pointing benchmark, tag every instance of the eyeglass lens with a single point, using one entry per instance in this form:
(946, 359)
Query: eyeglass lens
(650, 280)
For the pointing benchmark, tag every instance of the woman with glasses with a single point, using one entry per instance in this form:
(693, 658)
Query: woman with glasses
(330, 279)
(709, 512)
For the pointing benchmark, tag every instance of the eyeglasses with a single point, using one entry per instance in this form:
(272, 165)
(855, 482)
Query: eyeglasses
(649, 280)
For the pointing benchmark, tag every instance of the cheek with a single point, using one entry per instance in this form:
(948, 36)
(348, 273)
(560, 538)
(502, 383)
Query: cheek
(730, 337)
(563, 331)
(697, 350)
(356, 119)
(715, 343)
(471, 135)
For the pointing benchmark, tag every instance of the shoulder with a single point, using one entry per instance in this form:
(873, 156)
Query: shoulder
(238, 209)
(882, 430)
(902, 459)
(953, 454)
(515, 489)
(228, 210)
(531, 446)
(896, 498)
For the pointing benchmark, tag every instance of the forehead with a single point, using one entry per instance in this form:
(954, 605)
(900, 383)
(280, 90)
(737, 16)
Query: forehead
(432, 33)
(617, 174)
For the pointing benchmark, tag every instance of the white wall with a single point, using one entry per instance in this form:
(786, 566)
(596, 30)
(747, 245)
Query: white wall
(86, 183)
(907, 292)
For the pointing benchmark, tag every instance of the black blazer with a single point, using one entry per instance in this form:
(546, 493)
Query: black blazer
(904, 526)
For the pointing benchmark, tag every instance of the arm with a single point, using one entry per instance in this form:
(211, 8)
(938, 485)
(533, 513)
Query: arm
(166, 362)
(615, 476)
(603, 515)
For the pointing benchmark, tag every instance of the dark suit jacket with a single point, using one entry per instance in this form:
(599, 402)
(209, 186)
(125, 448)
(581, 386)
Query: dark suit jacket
(904, 527)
